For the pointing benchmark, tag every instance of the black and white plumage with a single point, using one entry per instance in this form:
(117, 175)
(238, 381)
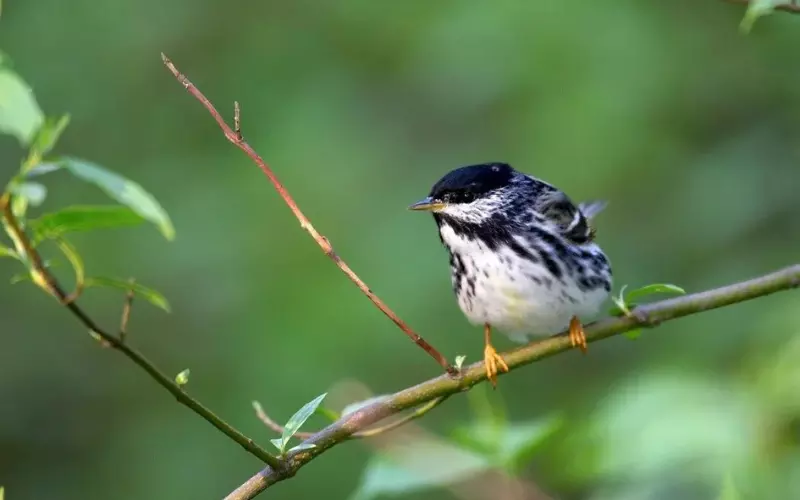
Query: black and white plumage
(522, 254)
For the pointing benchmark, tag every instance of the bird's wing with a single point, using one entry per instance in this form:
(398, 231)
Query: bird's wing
(573, 221)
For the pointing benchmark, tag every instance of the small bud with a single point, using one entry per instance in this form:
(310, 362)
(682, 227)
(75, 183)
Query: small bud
(460, 361)
(182, 378)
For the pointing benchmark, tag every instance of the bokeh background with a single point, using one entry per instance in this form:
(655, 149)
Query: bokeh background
(686, 125)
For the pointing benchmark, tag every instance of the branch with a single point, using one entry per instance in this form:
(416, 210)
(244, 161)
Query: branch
(234, 135)
(43, 278)
(788, 6)
(443, 386)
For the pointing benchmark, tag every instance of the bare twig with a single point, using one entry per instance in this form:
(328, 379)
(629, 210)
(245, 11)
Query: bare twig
(646, 316)
(788, 6)
(42, 277)
(235, 137)
(422, 410)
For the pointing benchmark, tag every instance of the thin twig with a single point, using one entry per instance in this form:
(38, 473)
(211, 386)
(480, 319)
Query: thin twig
(237, 140)
(645, 316)
(422, 410)
(47, 281)
(788, 6)
(126, 312)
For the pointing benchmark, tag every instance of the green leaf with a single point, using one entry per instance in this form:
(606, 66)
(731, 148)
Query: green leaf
(299, 418)
(755, 10)
(48, 134)
(183, 377)
(19, 278)
(418, 465)
(279, 444)
(149, 294)
(460, 361)
(666, 288)
(7, 252)
(20, 114)
(41, 169)
(124, 191)
(71, 253)
(2, 493)
(82, 218)
(33, 192)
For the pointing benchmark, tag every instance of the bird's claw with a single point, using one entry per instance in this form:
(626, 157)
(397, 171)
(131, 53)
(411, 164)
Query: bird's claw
(493, 362)
(577, 337)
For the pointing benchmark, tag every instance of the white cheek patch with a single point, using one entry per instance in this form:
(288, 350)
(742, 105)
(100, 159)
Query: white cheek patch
(475, 212)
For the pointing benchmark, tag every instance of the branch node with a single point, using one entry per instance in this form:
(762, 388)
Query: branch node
(237, 121)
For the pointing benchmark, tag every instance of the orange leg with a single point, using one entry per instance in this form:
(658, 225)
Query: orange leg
(576, 335)
(491, 359)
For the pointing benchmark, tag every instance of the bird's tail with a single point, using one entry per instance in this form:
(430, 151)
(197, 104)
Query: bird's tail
(590, 209)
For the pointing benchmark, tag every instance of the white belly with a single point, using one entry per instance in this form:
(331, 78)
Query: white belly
(516, 296)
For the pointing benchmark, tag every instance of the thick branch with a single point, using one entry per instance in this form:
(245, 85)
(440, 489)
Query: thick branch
(234, 135)
(42, 277)
(442, 386)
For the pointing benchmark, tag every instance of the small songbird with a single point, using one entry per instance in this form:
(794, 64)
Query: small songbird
(522, 254)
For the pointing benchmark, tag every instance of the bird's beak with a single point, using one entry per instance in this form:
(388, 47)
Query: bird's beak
(427, 204)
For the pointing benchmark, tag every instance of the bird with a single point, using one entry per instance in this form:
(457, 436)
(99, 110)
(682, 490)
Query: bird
(523, 256)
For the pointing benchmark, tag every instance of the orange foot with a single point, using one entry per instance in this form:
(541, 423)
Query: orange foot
(576, 335)
(491, 359)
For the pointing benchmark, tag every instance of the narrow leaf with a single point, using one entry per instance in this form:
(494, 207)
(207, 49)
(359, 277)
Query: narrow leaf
(299, 418)
(82, 218)
(124, 191)
(655, 288)
(33, 192)
(149, 294)
(278, 443)
(48, 134)
(41, 169)
(7, 252)
(71, 253)
(19, 278)
(20, 114)
(755, 10)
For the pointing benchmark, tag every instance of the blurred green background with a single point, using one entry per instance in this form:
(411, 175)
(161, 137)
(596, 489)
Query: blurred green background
(686, 126)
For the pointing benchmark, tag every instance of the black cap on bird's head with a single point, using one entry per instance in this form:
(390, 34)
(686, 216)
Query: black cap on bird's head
(465, 185)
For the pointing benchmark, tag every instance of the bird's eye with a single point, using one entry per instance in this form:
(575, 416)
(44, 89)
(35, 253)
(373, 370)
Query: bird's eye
(458, 196)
